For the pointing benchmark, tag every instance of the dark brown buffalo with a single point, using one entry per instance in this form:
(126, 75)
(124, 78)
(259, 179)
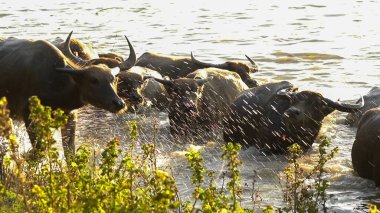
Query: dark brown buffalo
(201, 99)
(271, 119)
(366, 148)
(37, 68)
(371, 100)
(177, 67)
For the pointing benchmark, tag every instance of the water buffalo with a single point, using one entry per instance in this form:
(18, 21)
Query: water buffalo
(371, 100)
(77, 47)
(177, 67)
(201, 98)
(365, 150)
(38, 68)
(271, 119)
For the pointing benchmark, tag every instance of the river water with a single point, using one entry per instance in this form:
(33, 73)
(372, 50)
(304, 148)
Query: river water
(332, 47)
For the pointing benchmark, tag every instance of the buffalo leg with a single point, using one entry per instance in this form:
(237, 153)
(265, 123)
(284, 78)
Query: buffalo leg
(68, 135)
(30, 130)
(34, 153)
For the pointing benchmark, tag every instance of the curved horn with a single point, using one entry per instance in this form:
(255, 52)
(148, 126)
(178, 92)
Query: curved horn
(164, 82)
(130, 62)
(67, 52)
(205, 65)
(250, 60)
(344, 107)
(200, 82)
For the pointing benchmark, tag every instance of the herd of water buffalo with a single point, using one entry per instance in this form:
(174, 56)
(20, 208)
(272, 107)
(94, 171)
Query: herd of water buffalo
(196, 95)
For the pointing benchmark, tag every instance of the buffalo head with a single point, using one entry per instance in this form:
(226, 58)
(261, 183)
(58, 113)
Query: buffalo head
(183, 93)
(129, 84)
(274, 116)
(81, 50)
(77, 47)
(97, 86)
(304, 114)
(240, 68)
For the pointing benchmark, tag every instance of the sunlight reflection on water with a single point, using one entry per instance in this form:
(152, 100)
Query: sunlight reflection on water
(346, 33)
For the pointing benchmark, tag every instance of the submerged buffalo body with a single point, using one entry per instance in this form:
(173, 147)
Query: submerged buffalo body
(201, 99)
(371, 100)
(273, 119)
(175, 67)
(37, 68)
(366, 148)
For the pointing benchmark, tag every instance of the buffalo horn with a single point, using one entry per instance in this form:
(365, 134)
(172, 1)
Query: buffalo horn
(205, 65)
(67, 52)
(130, 62)
(344, 107)
(200, 82)
(250, 60)
(164, 82)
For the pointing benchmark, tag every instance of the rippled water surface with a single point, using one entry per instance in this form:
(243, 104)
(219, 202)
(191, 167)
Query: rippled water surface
(332, 47)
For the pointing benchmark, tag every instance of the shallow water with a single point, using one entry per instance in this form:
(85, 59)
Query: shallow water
(327, 46)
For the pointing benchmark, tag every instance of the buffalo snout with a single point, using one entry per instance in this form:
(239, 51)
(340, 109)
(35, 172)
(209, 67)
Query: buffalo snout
(136, 98)
(117, 105)
(251, 83)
